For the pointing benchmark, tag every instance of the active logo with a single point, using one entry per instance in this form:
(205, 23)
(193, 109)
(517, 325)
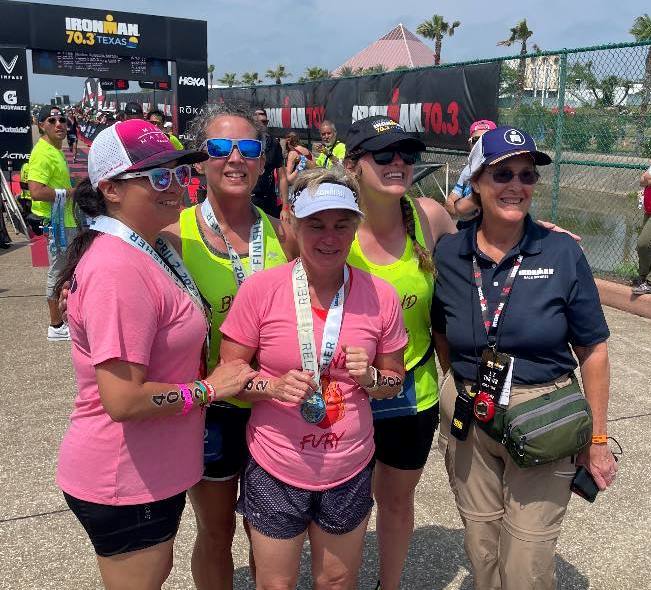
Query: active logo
(14, 156)
(190, 81)
(7, 129)
(9, 65)
(10, 97)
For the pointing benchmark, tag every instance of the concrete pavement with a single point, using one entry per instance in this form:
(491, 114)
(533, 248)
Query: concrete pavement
(603, 546)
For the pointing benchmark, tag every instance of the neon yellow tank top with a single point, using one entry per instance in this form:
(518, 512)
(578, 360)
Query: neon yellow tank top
(214, 274)
(415, 290)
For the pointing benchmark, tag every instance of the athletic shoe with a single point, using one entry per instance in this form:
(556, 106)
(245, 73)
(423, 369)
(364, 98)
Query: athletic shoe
(643, 288)
(56, 334)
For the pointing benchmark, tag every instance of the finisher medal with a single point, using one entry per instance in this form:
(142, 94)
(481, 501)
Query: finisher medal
(313, 409)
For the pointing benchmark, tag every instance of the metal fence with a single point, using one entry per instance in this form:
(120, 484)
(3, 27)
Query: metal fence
(590, 109)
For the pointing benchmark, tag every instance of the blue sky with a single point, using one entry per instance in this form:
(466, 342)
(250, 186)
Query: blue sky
(249, 35)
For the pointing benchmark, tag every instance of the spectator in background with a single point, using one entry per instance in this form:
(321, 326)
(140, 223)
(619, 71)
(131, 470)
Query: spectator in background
(51, 190)
(157, 117)
(264, 192)
(133, 110)
(120, 116)
(642, 285)
(331, 151)
(459, 202)
(299, 158)
(72, 134)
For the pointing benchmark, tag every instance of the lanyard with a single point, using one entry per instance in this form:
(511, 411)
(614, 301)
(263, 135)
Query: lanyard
(57, 222)
(313, 409)
(491, 326)
(256, 246)
(164, 255)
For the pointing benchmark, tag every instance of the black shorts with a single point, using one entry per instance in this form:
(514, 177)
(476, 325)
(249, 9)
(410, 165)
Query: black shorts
(224, 441)
(404, 442)
(119, 529)
(72, 139)
(282, 511)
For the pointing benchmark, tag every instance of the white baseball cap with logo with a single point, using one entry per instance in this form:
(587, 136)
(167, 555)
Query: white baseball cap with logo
(327, 195)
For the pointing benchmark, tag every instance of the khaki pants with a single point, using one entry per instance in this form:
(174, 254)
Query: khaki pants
(512, 516)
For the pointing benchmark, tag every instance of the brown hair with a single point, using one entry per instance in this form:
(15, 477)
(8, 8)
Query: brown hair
(292, 140)
(425, 261)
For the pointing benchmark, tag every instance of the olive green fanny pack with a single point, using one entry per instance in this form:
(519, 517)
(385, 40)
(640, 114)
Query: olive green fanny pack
(547, 428)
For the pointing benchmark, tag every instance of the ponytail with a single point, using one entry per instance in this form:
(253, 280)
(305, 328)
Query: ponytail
(425, 262)
(91, 202)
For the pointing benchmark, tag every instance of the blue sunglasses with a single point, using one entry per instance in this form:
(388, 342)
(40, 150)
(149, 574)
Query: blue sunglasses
(222, 147)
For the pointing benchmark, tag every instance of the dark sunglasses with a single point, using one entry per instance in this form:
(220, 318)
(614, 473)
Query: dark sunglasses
(506, 175)
(387, 156)
(474, 140)
(55, 120)
(221, 147)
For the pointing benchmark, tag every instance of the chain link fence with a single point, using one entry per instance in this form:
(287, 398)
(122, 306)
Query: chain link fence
(590, 109)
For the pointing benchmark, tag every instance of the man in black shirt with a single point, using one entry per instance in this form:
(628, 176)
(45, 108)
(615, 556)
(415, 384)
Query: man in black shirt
(264, 192)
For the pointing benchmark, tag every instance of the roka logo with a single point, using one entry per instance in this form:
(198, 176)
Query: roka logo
(9, 65)
(190, 81)
(10, 97)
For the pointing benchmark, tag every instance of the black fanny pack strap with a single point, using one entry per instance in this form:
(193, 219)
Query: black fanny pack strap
(428, 353)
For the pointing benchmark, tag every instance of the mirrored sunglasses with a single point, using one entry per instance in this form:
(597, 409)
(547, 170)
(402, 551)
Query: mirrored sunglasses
(384, 157)
(55, 120)
(506, 175)
(161, 178)
(221, 147)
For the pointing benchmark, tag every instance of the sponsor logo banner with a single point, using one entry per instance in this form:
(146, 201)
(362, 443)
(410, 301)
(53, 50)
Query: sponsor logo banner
(15, 117)
(436, 104)
(191, 91)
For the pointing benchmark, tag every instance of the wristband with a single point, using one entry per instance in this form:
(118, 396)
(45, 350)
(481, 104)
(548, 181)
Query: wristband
(188, 400)
(212, 394)
(599, 439)
(201, 392)
(376, 380)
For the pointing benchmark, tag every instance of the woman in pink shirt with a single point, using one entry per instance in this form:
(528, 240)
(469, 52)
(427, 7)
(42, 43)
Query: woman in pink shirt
(134, 444)
(310, 434)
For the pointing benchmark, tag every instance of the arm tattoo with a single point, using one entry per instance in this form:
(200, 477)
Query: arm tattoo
(257, 385)
(390, 381)
(171, 397)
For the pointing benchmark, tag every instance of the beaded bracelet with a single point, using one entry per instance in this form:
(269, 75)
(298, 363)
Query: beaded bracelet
(188, 400)
(200, 392)
(212, 394)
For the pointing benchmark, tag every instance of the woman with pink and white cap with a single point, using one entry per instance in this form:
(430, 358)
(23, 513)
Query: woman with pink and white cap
(138, 326)
(459, 202)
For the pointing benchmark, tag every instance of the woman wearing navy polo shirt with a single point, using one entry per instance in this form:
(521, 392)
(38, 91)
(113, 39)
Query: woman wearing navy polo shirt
(548, 307)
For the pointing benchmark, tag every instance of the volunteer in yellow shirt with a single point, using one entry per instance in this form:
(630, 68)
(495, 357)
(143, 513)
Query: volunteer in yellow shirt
(48, 181)
(332, 151)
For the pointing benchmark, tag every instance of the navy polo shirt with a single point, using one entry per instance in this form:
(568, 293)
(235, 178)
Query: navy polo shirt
(554, 303)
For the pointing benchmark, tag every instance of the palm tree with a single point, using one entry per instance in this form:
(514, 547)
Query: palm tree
(316, 73)
(520, 33)
(641, 30)
(278, 74)
(250, 78)
(376, 69)
(346, 71)
(434, 29)
(230, 79)
(211, 70)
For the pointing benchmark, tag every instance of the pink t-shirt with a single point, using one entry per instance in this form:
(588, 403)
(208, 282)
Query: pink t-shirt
(123, 306)
(324, 455)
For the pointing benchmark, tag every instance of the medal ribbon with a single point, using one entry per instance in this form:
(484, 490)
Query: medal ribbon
(491, 326)
(256, 243)
(164, 255)
(305, 325)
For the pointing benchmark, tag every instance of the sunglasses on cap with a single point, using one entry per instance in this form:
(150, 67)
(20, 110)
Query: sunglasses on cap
(55, 120)
(221, 147)
(506, 175)
(161, 178)
(386, 156)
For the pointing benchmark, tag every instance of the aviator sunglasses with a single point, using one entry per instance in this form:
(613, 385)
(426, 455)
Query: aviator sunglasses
(221, 147)
(384, 157)
(506, 175)
(161, 178)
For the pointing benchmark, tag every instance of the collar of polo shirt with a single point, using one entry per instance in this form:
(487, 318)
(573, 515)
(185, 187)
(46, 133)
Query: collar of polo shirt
(530, 243)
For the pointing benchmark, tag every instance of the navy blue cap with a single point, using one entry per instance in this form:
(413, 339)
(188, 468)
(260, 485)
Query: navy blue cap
(502, 143)
(378, 132)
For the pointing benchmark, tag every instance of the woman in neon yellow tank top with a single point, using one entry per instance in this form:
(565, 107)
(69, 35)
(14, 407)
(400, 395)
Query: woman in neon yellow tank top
(209, 238)
(395, 242)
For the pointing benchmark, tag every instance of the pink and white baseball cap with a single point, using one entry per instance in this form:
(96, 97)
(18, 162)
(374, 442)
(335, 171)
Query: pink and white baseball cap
(482, 125)
(133, 145)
